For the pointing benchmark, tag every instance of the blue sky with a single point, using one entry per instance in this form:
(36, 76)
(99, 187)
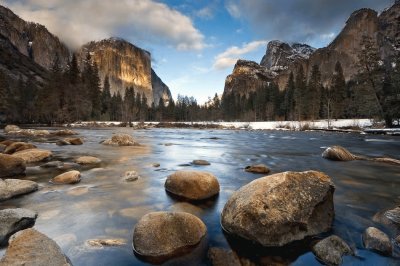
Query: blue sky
(194, 44)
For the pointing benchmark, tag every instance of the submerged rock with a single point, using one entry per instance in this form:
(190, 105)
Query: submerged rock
(279, 209)
(64, 132)
(338, 153)
(14, 220)
(121, 140)
(99, 243)
(87, 160)
(192, 185)
(331, 250)
(71, 177)
(223, 257)
(14, 187)
(70, 141)
(163, 235)
(393, 215)
(18, 146)
(131, 176)
(375, 239)
(258, 169)
(33, 155)
(52, 164)
(200, 162)
(30, 247)
(11, 166)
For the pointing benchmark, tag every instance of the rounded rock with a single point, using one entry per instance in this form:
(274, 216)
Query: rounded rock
(11, 166)
(10, 188)
(33, 155)
(163, 235)
(11, 128)
(375, 239)
(330, 250)
(200, 162)
(258, 169)
(279, 209)
(18, 146)
(121, 140)
(338, 153)
(192, 185)
(14, 220)
(87, 160)
(30, 247)
(71, 177)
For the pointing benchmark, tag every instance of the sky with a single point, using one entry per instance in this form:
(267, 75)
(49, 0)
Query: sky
(194, 43)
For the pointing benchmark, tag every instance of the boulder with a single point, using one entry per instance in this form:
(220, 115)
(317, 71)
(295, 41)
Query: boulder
(64, 132)
(52, 164)
(30, 132)
(163, 235)
(223, 257)
(393, 215)
(2, 148)
(30, 247)
(33, 155)
(11, 128)
(398, 240)
(200, 162)
(279, 209)
(375, 239)
(331, 250)
(192, 185)
(14, 187)
(258, 169)
(121, 140)
(74, 141)
(87, 160)
(71, 177)
(338, 153)
(18, 146)
(62, 142)
(14, 220)
(10, 166)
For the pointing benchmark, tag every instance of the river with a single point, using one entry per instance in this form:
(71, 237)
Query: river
(103, 205)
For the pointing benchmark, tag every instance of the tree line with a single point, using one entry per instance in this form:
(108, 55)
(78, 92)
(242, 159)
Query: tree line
(72, 95)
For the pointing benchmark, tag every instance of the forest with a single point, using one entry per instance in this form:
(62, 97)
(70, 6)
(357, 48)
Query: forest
(72, 95)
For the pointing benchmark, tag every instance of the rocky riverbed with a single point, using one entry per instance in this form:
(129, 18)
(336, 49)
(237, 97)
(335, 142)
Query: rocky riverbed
(91, 196)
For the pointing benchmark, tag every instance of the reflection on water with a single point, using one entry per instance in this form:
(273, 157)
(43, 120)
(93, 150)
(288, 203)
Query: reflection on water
(103, 205)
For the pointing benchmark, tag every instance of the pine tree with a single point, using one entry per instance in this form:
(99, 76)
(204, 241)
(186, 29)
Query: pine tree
(314, 93)
(289, 98)
(338, 92)
(106, 99)
(300, 94)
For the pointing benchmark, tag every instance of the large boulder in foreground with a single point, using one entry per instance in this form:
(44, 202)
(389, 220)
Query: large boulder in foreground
(331, 250)
(159, 236)
(11, 166)
(30, 247)
(33, 155)
(375, 239)
(278, 209)
(71, 177)
(14, 220)
(192, 185)
(10, 188)
(121, 140)
(338, 153)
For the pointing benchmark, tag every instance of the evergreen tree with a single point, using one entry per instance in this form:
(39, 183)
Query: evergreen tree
(338, 92)
(314, 93)
(289, 98)
(106, 99)
(300, 94)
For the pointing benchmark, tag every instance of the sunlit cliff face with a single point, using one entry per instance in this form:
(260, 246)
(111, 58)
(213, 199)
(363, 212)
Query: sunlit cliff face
(125, 64)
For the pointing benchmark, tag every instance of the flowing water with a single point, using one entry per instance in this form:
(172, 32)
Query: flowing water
(103, 205)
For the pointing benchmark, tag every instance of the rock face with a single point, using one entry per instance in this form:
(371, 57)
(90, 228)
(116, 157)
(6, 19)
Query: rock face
(338, 153)
(121, 140)
(375, 239)
(14, 187)
(278, 209)
(30, 247)
(162, 235)
(192, 185)
(71, 177)
(331, 250)
(10, 166)
(33, 155)
(33, 40)
(258, 169)
(279, 55)
(160, 90)
(14, 220)
(126, 66)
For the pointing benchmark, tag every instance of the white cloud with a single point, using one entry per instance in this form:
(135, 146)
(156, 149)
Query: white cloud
(233, 9)
(205, 13)
(229, 57)
(77, 22)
